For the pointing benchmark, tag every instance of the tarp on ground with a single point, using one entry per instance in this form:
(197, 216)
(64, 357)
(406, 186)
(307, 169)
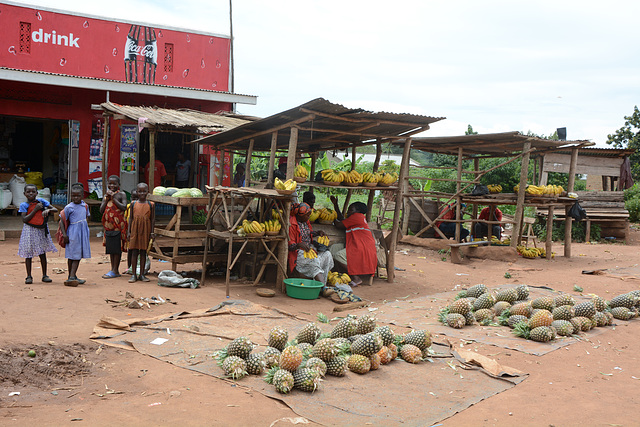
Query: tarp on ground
(449, 383)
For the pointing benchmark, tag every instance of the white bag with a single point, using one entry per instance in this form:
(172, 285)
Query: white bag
(16, 185)
(5, 198)
(45, 194)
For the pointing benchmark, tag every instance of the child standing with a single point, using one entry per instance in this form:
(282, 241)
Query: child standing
(112, 209)
(142, 221)
(127, 214)
(76, 237)
(35, 238)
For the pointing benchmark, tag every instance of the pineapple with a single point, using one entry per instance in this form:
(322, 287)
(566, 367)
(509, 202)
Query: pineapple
(283, 381)
(354, 338)
(375, 361)
(240, 347)
(564, 328)
(359, 364)
(500, 307)
(585, 309)
(599, 303)
(622, 313)
(234, 367)
(461, 306)
(508, 295)
(523, 309)
(316, 364)
(515, 319)
(337, 366)
(453, 320)
(271, 357)
(410, 353)
(523, 292)
(306, 379)
(522, 330)
(420, 338)
(476, 290)
(308, 334)
(542, 334)
(563, 312)
(469, 318)
(600, 319)
(384, 354)
(291, 358)
(367, 345)
(545, 303)
(540, 318)
(581, 324)
(345, 328)
(365, 324)
(256, 363)
(385, 333)
(624, 300)
(306, 349)
(484, 315)
(325, 349)
(564, 299)
(393, 349)
(484, 301)
(609, 318)
(278, 338)
(461, 294)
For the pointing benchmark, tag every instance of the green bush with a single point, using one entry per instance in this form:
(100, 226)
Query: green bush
(578, 231)
(632, 202)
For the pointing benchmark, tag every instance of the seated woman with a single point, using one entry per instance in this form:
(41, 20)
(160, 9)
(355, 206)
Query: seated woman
(449, 228)
(300, 240)
(358, 256)
(481, 228)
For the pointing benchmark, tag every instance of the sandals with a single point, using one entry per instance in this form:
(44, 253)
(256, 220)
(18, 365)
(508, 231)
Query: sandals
(144, 278)
(133, 279)
(110, 275)
(46, 279)
(28, 280)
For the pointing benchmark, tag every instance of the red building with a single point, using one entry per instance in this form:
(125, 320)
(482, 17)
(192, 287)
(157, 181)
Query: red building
(55, 65)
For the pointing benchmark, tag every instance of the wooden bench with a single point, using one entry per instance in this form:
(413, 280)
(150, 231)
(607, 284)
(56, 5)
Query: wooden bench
(13, 209)
(455, 249)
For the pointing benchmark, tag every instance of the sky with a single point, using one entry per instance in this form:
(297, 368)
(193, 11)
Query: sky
(497, 65)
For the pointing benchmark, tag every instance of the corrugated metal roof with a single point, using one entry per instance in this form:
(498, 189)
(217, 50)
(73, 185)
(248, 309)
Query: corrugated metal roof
(504, 144)
(322, 125)
(179, 119)
(603, 152)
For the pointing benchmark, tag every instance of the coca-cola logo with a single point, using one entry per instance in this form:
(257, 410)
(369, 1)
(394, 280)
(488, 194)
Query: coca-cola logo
(149, 51)
(141, 45)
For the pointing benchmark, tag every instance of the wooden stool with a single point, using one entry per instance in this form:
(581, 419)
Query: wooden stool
(530, 235)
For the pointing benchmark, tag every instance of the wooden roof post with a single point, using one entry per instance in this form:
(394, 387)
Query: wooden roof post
(403, 188)
(291, 155)
(353, 167)
(376, 164)
(272, 159)
(396, 215)
(221, 167)
(568, 221)
(247, 173)
(458, 197)
(152, 158)
(516, 234)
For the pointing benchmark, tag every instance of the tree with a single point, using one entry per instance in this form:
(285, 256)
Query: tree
(470, 131)
(628, 136)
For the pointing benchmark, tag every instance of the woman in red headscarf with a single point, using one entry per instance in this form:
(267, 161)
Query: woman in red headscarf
(300, 240)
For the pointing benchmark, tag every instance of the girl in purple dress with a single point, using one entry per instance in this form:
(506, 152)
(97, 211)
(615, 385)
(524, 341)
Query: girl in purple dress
(76, 236)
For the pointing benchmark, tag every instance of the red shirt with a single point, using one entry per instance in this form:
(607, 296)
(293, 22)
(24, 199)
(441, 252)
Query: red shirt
(361, 246)
(449, 213)
(484, 214)
(158, 172)
(294, 239)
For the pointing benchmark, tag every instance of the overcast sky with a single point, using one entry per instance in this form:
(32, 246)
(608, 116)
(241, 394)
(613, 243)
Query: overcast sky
(497, 65)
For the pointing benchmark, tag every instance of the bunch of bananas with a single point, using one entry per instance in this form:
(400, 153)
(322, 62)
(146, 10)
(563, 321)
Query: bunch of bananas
(301, 172)
(328, 215)
(252, 227)
(371, 177)
(354, 177)
(315, 214)
(323, 240)
(334, 278)
(531, 252)
(311, 254)
(276, 214)
(288, 185)
(273, 225)
(331, 175)
(542, 190)
(494, 188)
(388, 178)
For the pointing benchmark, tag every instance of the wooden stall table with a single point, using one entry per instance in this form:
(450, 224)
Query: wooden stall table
(181, 250)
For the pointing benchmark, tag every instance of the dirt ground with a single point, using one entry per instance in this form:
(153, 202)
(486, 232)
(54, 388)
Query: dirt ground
(593, 382)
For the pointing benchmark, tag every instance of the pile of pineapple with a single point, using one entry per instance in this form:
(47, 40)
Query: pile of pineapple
(541, 319)
(354, 344)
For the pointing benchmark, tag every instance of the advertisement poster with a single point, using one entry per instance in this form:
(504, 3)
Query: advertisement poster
(128, 148)
(95, 150)
(95, 185)
(95, 167)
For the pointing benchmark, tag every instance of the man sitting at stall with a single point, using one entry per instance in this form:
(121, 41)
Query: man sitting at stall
(303, 257)
(481, 228)
(358, 255)
(449, 228)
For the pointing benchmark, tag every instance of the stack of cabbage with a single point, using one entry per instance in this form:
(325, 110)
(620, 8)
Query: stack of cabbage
(177, 192)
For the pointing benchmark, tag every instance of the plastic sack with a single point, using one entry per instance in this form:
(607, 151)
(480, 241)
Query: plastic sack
(170, 278)
(480, 190)
(5, 198)
(45, 193)
(16, 185)
(577, 212)
(34, 178)
(147, 265)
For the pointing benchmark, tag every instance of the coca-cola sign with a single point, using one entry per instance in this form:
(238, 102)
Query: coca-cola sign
(35, 39)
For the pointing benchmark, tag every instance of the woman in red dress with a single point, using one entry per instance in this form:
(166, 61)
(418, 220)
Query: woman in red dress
(359, 256)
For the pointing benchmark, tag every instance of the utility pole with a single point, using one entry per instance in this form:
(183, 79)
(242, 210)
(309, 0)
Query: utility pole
(231, 49)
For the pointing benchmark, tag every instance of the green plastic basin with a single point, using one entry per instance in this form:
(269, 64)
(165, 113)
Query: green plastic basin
(303, 288)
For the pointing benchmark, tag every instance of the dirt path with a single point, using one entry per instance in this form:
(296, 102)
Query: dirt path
(582, 384)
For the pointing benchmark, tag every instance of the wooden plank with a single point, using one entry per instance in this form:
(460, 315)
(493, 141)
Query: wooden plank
(376, 164)
(152, 159)
(396, 215)
(291, 155)
(592, 165)
(272, 158)
(524, 170)
(247, 172)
